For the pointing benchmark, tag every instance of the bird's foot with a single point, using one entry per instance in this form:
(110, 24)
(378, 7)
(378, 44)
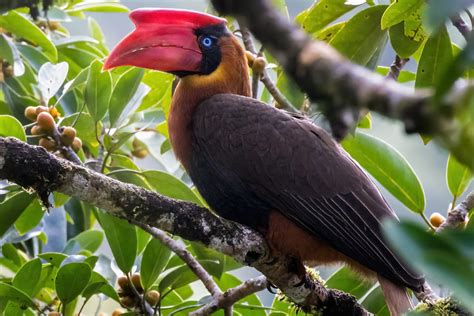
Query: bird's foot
(272, 288)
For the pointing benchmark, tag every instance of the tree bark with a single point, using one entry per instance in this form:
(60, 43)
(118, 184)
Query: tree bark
(342, 88)
(33, 167)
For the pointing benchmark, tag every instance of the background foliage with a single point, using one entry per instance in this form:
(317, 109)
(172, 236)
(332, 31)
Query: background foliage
(60, 259)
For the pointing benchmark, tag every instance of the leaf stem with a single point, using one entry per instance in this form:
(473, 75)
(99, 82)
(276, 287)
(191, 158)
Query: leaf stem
(82, 307)
(427, 221)
(453, 203)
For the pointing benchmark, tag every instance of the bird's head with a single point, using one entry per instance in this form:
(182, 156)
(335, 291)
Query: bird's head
(191, 45)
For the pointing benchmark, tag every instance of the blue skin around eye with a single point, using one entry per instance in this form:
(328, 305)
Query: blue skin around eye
(206, 41)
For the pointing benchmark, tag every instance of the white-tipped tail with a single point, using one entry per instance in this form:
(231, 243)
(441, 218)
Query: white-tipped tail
(396, 296)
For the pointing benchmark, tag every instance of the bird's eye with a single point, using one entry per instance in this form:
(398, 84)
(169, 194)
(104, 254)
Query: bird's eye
(206, 41)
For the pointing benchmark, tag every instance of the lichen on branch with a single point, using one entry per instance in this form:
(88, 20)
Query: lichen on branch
(33, 167)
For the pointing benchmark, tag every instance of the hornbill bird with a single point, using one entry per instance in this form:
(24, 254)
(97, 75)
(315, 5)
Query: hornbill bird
(260, 166)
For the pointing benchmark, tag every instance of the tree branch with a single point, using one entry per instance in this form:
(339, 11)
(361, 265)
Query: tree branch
(280, 99)
(232, 296)
(249, 46)
(396, 67)
(341, 87)
(185, 255)
(458, 215)
(33, 167)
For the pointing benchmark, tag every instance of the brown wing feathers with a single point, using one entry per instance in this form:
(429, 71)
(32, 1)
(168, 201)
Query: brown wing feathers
(290, 165)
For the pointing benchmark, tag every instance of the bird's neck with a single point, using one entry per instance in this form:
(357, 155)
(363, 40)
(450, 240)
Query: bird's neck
(231, 76)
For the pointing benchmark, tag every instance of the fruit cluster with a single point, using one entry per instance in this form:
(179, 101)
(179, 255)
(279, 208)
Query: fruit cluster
(127, 297)
(47, 129)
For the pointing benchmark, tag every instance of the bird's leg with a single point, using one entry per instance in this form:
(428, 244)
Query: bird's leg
(296, 266)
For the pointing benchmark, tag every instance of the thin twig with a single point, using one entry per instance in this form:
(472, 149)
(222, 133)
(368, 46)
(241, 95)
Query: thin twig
(248, 43)
(280, 99)
(66, 151)
(179, 249)
(255, 80)
(428, 223)
(457, 216)
(461, 25)
(233, 295)
(396, 67)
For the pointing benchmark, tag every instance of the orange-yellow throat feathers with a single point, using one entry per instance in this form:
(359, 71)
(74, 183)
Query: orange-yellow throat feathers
(231, 76)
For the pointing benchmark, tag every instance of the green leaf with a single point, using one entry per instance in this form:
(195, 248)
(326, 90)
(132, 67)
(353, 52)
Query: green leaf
(123, 92)
(98, 90)
(154, 260)
(168, 185)
(403, 45)
(20, 26)
(93, 288)
(30, 218)
(462, 63)
(123, 162)
(6, 49)
(105, 287)
(324, 12)
(95, 30)
(50, 78)
(12, 208)
(34, 56)
(142, 240)
(28, 276)
(375, 302)
(435, 59)
(389, 167)
(182, 275)
(458, 176)
(328, 33)
(12, 254)
(85, 128)
(129, 176)
(122, 238)
(160, 94)
(55, 258)
(79, 79)
(398, 11)
(445, 257)
(10, 126)
(348, 281)
(361, 37)
(10, 53)
(98, 7)
(96, 33)
(71, 280)
(13, 294)
(89, 240)
(413, 25)
(78, 59)
(366, 121)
